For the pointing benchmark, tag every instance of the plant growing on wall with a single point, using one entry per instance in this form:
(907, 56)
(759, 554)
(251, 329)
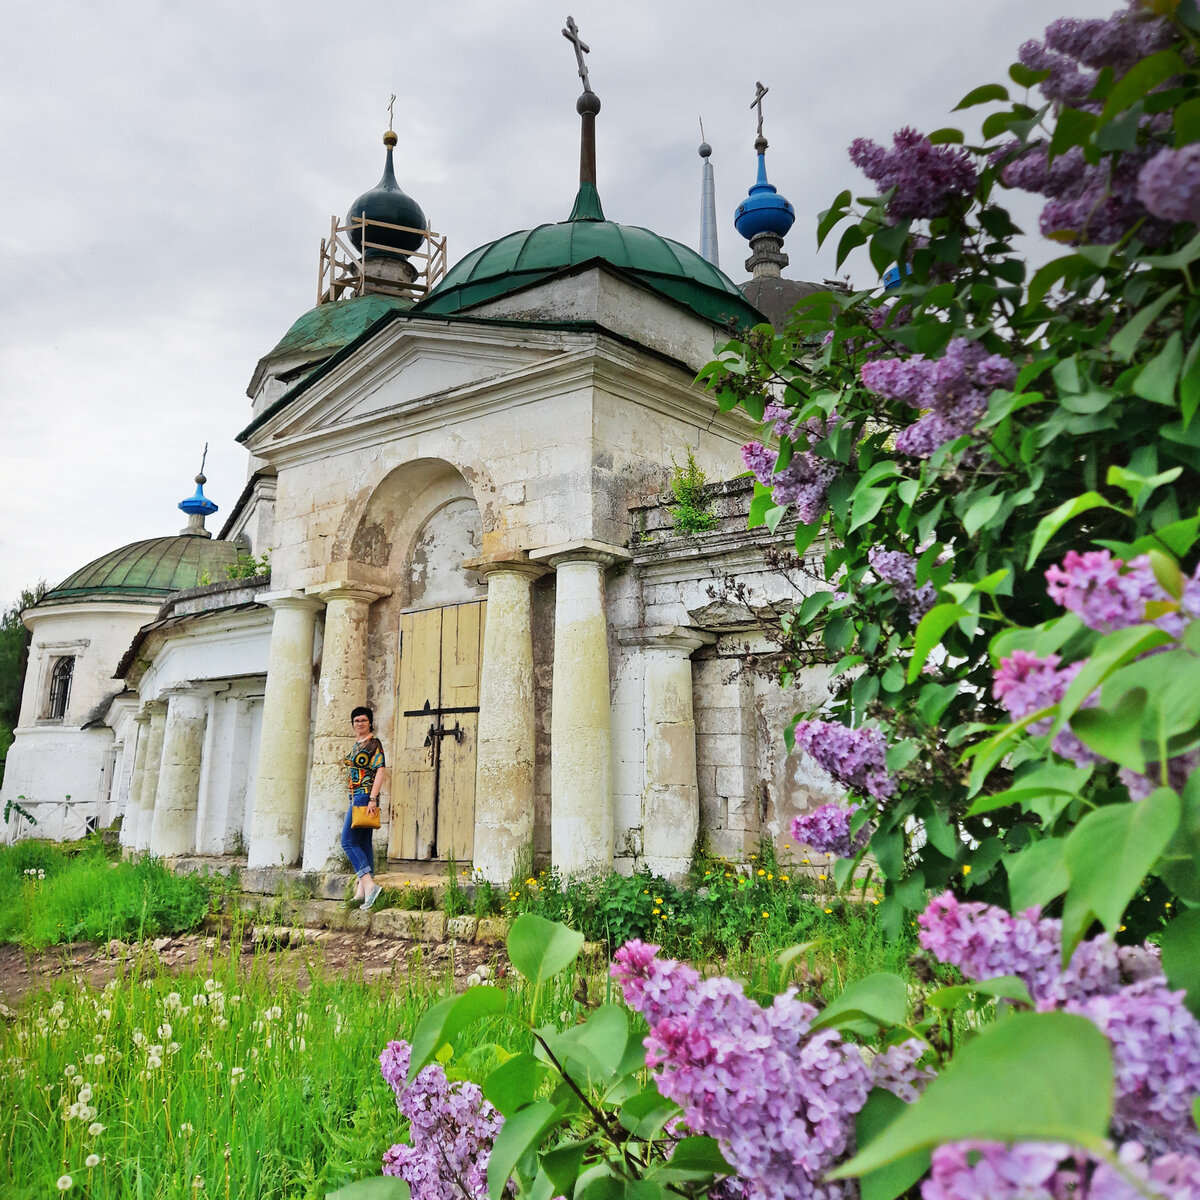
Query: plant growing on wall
(691, 508)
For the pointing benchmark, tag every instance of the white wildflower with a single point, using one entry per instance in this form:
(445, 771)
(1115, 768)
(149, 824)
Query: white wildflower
(99, 1060)
(96, 1129)
(64, 1182)
(164, 1031)
(236, 1073)
(85, 1093)
(70, 1070)
(92, 1160)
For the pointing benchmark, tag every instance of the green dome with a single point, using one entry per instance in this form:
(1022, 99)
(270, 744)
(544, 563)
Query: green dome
(324, 330)
(152, 568)
(670, 268)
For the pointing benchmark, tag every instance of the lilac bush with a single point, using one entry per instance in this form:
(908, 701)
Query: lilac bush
(900, 570)
(856, 758)
(452, 1129)
(1169, 184)
(927, 178)
(827, 830)
(805, 481)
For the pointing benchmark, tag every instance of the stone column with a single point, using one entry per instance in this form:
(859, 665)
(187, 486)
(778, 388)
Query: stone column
(157, 709)
(671, 797)
(173, 829)
(282, 774)
(342, 687)
(581, 810)
(133, 804)
(507, 731)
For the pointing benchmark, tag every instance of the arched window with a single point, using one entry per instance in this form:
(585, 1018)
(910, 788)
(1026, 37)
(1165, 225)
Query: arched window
(60, 688)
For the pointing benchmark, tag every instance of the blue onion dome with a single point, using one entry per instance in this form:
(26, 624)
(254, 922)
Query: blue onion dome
(198, 504)
(386, 202)
(764, 210)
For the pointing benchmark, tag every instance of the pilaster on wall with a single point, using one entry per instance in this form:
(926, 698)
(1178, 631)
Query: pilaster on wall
(670, 797)
(173, 828)
(341, 688)
(133, 805)
(581, 808)
(504, 764)
(157, 711)
(283, 751)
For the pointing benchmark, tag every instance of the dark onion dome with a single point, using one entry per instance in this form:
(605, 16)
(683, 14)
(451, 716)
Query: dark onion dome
(386, 202)
(764, 210)
(530, 255)
(153, 569)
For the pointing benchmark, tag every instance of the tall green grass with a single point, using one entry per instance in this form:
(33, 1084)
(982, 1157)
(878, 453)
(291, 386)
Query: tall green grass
(86, 896)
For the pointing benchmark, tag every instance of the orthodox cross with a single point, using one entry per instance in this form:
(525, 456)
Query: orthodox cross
(203, 458)
(391, 105)
(571, 33)
(757, 103)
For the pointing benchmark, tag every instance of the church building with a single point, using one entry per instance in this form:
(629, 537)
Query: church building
(457, 511)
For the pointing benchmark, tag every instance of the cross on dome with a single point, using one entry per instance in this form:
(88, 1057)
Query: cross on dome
(757, 103)
(571, 33)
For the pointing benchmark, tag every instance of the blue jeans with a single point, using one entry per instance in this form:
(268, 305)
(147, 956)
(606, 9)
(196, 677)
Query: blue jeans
(358, 845)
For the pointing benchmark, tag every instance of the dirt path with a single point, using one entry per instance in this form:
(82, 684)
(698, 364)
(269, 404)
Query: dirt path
(308, 952)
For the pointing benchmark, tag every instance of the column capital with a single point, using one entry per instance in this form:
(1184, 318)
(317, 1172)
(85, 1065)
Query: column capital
(154, 708)
(347, 589)
(681, 638)
(581, 550)
(512, 564)
(295, 599)
(200, 689)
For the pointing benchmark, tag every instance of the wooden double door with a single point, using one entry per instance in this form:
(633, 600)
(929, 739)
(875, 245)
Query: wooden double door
(433, 784)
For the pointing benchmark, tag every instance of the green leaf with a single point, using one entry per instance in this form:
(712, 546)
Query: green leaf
(514, 1083)
(832, 215)
(540, 949)
(1181, 258)
(694, 1158)
(1115, 733)
(851, 240)
(521, 1132)
(1180, 865)
(1142, 78)
(981, 512)
(1002, 987)
(981, 95)
(1181, 956)
(1073, 128)
(1109, 853)
(997, 1088)
(879, 999)
(773, 516)
(1136, 486)
(1157, 379)
(1125, 343)
(646, 1112)
(1187, 122)
(1025, 76)
(1046, 778)
(562, 1165)
(1050, 524)
(930, 632)
(447, 1019)
(598, 1045)
(380, 1187)
(1037, 874)
(881, 1110)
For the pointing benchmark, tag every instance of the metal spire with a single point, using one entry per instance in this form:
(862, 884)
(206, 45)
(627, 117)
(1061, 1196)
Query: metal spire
(587, 201)
(708, 204)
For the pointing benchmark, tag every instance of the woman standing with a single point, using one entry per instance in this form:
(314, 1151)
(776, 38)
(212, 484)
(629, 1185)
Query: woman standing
(367, 773)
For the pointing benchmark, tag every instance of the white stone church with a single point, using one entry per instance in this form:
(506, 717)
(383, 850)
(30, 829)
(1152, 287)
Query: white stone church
(460, 481)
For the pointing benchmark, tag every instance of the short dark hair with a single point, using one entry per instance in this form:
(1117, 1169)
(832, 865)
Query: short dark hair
(363, 711)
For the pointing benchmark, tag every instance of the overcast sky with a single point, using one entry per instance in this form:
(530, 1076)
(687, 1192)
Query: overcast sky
(169, 169)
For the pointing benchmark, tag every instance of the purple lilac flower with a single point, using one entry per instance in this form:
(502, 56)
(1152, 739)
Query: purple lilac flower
(953, 390)
(896, 1070)
(856, 758)
(827, 830)
(1169, 184)
(1024, 683)
(1155, 1039)
(926, 177)
(780, 1100)
(900, 570)
(452, 1129)
(805, 481)
(1104, 597)
(1171, 1177)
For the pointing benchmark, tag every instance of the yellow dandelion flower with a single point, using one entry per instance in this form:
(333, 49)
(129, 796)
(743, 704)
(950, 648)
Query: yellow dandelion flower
(808, 861)
(1122, 929)
(765, 914)
(657, 911)
(1167, 904)
(645, 891)
(770, 876)
(822, 878)
(829, 910)
(761, 871)
(662, 916)
(658, 900)
(966, 868)
(876, 900)
(785, 878)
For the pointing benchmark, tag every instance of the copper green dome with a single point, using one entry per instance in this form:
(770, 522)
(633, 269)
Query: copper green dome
(153, 568)
(520, 259)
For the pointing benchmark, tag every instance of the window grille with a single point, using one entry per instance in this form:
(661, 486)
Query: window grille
(60, 688)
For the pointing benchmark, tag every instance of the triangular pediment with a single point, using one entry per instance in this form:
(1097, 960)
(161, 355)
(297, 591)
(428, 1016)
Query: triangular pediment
(407, 367)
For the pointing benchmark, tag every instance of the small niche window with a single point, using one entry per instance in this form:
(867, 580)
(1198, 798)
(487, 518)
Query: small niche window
(60, 688)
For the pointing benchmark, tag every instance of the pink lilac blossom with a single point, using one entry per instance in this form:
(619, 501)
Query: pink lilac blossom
(1024, 683)
(1169, 184)
(1155, 1039)
(953, 391)
(900, 570)
(780, 1100)
(896, 1069)
(926, 177)
(452, 1129)
(856, 758)
(827, 831)
(805, 481)
(1104, 596)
